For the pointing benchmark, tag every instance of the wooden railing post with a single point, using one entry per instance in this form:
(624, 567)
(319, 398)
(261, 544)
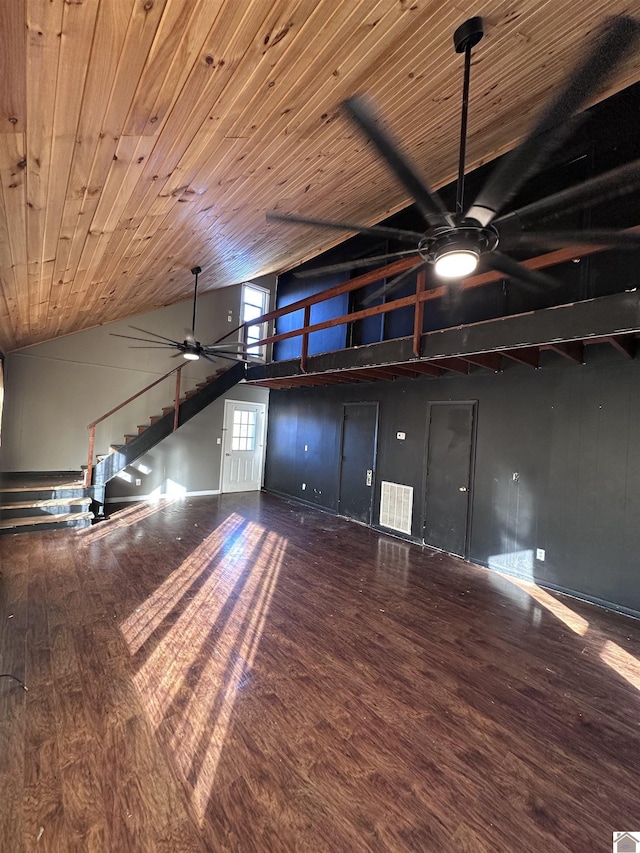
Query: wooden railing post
(92, 440)
(305, 339)
(176, 405)
(245, 341)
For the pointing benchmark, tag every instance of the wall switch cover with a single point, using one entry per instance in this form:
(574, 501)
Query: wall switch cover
(540, 554)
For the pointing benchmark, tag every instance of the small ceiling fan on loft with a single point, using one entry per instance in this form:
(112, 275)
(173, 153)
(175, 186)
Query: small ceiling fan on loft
(190, 348)
(457, 244)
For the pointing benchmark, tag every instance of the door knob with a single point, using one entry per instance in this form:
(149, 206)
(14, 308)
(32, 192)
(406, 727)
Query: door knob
(462, 489)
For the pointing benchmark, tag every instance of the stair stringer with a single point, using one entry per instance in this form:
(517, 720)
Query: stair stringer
(118, 459)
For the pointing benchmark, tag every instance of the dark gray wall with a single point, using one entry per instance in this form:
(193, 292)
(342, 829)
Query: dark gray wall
(569, 431)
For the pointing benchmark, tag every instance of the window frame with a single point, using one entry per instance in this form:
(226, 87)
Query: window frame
(258, 353)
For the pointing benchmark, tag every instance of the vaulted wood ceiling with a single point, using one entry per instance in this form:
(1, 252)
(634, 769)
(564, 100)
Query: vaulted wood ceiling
(140, 137)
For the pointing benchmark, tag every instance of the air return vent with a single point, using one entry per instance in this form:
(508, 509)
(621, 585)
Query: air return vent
(396, 505)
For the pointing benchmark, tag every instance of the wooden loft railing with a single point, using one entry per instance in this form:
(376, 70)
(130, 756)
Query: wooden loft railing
(92, 426)
(417, 299)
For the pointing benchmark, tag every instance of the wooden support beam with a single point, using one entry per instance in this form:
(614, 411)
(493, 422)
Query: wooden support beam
(369, 374)
(524, 355)
(627, 346)
(404, 370)
(382, 372)
(457, 365)
(305, 339)
(490, 360)
(426, 367)
(571, 350)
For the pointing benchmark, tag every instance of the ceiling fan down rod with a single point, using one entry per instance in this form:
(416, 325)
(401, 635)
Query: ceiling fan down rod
(195, 271)
(465, 38)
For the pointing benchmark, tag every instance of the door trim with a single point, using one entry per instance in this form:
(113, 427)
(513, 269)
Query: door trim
(472, 470)
(376, 405)
(265, 413)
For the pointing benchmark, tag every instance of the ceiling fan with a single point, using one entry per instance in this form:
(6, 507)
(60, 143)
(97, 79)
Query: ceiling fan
(190, 348)
(456, 244)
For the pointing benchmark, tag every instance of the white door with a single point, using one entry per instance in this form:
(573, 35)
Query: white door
(243, 446)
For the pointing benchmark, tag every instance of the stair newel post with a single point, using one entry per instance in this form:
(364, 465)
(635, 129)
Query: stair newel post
(92, 441)
(176, 408)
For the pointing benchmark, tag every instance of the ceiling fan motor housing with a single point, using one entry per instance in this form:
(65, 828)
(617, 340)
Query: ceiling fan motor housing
(460, 238)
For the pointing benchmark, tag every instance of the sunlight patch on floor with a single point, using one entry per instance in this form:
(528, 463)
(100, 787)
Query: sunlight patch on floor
(193, 677)
(622, 662)
(141, 624)
(569, 617)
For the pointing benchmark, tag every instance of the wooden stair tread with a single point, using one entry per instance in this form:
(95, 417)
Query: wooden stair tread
(28, 521)
(40, 484)
(45, 503)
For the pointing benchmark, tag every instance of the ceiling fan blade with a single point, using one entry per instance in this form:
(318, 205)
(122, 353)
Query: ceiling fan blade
(555, 124)
(176, 355)
(533, 280)
(349, 265)
(592, 237)
(215, 350)
(158, 346)
(155, 334)
(394, 283)
(146, 340)
(362, 112)
(211, 357)
(220, 345)
(618, 182)
(373, 230)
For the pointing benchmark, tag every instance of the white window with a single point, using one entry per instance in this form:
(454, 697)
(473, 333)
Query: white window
(255, 303)
(243, 431)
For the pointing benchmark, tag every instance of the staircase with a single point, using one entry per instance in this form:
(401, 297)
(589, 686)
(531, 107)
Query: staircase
(30, 503)
(46, 501)
(161, 426)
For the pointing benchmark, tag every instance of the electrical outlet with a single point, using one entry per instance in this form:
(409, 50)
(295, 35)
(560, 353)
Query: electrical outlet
(304, 486)
(540, 554)
(218, 440)
(138, 482)
(401, 436)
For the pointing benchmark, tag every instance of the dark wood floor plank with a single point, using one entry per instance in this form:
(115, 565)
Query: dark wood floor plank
(241, 673)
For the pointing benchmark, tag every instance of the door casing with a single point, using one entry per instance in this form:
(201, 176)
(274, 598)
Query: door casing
(472, 461)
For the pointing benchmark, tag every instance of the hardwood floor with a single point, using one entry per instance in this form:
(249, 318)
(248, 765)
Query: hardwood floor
(243, 674)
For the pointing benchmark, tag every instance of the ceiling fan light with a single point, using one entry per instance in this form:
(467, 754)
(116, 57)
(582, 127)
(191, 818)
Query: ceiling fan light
(456, 263)
(190, 356)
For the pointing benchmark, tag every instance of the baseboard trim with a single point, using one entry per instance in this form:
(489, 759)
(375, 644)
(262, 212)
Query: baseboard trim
(570, 593)
(151, 498)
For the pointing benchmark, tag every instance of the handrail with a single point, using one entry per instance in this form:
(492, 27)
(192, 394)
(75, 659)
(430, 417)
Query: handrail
(92, 426)
(138, 394)
(417, 299)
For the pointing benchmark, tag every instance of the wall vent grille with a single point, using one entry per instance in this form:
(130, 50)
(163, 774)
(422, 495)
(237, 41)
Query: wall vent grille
(396, 507)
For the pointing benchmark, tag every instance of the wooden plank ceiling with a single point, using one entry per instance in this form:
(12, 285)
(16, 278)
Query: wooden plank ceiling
(140, 137)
